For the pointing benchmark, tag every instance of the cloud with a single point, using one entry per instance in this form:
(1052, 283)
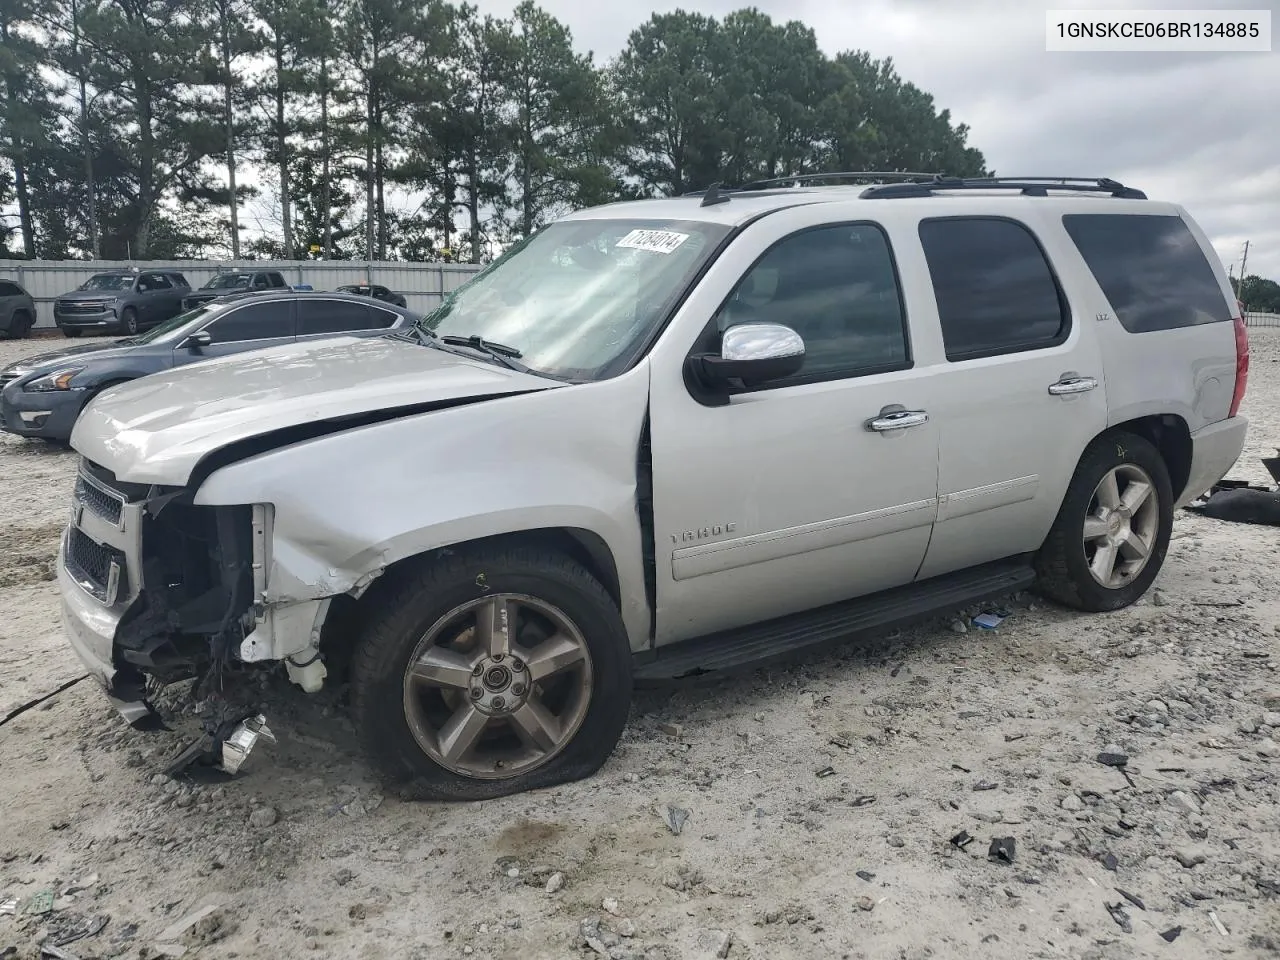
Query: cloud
(1199, 129)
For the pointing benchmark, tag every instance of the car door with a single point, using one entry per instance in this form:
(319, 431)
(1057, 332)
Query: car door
(251, 326)
(786, 497)
(155, 294)
(1023, 379)
(323, 317)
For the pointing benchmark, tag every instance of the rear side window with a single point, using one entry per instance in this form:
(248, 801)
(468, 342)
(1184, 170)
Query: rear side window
(1150, 268)
(9, 289)
(995, 290)
(338, 316)
(256, 321)
(276, 280)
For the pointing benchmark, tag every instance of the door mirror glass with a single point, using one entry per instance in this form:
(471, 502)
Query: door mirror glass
(201, 338)
(753, 353)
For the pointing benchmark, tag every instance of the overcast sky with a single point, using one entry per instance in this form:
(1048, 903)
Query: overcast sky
(1199, 129)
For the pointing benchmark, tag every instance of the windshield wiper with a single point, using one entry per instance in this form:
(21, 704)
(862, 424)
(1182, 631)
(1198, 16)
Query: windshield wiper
(416, 332)
(504, 354)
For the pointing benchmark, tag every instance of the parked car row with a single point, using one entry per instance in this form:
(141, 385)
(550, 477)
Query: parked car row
(42, 396)
(128, 300)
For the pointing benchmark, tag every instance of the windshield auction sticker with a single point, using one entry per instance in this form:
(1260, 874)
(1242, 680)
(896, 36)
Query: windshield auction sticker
(655, 241)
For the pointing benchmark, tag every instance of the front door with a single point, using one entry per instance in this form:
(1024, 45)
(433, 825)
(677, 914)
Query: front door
(1023, 377)
(785, 498)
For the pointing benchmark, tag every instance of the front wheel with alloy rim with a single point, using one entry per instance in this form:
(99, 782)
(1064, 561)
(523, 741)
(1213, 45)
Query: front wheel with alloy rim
(490, 671)
(129, 321)
(1111, 535)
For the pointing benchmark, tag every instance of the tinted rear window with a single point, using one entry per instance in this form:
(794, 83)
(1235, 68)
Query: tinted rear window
(1150, 268)
(995, 291)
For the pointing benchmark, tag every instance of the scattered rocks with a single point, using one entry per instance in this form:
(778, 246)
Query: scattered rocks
(555, 883)
(1071, 803)
(673, 730)
(716, 943)
(866, 904)
(263, 817)
(896, 841)
(1188, 857)
(611, 906)
(1269, 749)
(1183, 802)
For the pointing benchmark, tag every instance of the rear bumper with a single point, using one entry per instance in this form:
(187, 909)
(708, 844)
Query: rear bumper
(1214, 451)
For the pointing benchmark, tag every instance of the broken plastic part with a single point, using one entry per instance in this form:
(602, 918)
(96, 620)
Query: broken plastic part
(236, 748)
(310, 676)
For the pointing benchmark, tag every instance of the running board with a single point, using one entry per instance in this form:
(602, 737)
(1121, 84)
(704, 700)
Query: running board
(786, 636)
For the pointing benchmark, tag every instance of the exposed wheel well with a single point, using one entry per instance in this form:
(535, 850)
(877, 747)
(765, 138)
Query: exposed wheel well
(1169, 434)
(346, 613)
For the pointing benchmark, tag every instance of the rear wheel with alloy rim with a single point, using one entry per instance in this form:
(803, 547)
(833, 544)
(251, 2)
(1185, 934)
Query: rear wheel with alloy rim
(489, 672)
(1111, 535)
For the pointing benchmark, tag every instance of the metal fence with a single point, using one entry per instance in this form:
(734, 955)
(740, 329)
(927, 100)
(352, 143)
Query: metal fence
(423, 285)
(1262, 319)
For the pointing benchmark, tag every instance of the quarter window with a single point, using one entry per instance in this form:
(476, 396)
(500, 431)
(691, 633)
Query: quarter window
(1150, 268)
(994, 288)
(256, 321)
(837, 288)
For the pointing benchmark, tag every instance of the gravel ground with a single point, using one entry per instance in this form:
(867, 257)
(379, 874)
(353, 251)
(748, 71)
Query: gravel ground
(821, 799)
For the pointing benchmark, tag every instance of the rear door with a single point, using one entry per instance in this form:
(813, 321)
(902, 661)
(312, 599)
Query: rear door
(156, 298)
(1164, 309)
(251, 326)
(1022, 377)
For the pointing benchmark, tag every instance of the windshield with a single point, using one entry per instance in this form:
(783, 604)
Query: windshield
(229, 281)
(176, 328)
(579, 297)
(107, 281)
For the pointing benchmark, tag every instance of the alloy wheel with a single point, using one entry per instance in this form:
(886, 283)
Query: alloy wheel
(498, 686)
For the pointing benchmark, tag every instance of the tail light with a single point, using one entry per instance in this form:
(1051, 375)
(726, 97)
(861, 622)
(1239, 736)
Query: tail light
(1242, 360)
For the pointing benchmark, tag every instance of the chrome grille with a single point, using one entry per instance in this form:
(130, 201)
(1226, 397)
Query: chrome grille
(106, 504)
(100, 569)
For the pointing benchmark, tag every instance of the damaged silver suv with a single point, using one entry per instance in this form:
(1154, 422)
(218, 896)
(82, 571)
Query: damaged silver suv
(664, 438)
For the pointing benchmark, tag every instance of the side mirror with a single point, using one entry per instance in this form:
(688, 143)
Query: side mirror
(752, 353)
(201, 338)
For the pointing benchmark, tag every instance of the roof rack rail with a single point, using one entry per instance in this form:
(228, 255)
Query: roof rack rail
(1027, 186)
(720, 190)
(800, 178)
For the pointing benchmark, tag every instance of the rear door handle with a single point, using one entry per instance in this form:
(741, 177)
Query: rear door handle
(897, 420)
(1070, 385)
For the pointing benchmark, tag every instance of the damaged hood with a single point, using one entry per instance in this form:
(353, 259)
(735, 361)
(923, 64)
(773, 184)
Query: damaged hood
(156, 429)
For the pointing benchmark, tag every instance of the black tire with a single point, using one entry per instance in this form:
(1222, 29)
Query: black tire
(1062, 565)
(20, 325)
(71, 331)
(129, 321)
(407, 605)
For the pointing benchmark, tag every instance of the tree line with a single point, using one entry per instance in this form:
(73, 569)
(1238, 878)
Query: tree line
(1258, 294)
(407, 129)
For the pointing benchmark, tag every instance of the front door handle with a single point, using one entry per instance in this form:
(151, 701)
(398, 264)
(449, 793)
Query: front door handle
(898, 420)
(1069, 385)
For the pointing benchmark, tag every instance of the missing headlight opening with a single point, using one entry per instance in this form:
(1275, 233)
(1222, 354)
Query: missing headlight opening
(196, 602)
